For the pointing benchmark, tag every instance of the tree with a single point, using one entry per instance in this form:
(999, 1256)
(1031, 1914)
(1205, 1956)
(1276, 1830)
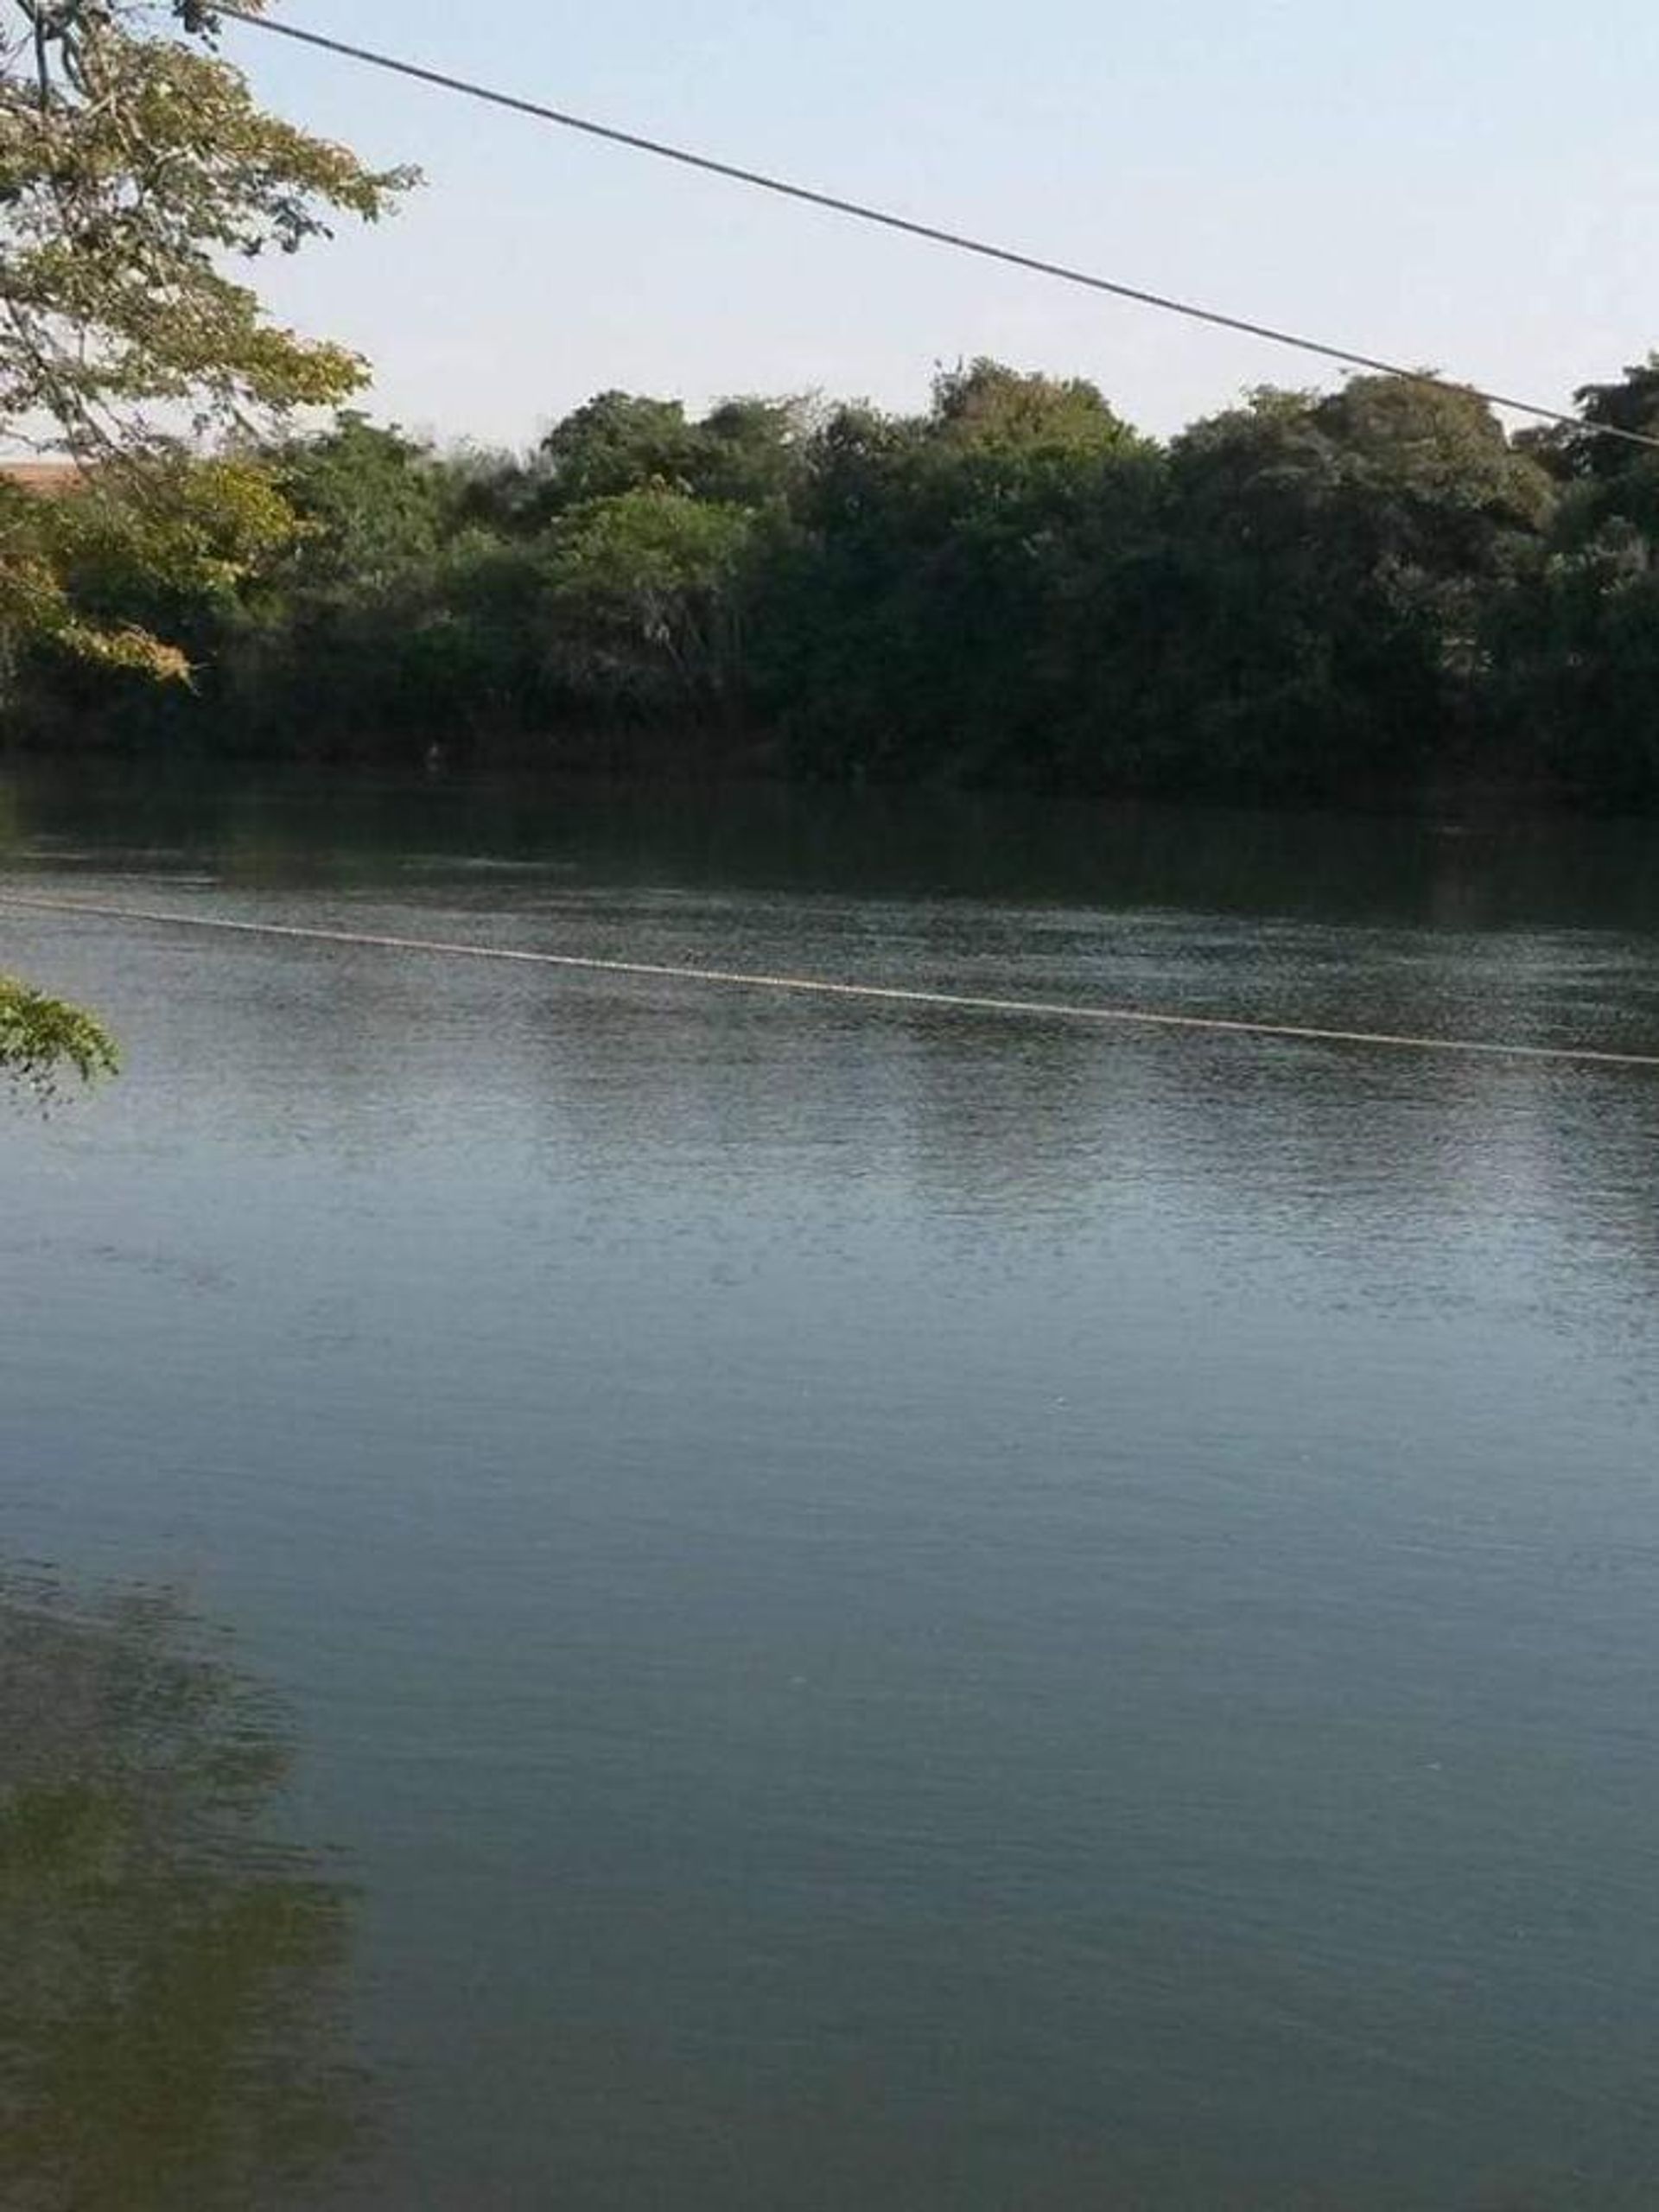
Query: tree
(1330, 560)
(135, 165)
(912, 628)
(617, 441)
(645, 597)
(1632, 404)
(993, 408)
(750, 452)
(744, 452)
(369, 500)
(1575, 640)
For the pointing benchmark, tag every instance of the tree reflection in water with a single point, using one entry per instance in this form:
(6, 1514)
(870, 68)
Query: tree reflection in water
(171, 1975)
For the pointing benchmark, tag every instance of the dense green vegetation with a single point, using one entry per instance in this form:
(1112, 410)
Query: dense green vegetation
(1373, 595)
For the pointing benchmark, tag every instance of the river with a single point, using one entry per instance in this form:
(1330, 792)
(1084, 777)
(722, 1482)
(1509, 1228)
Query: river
(867, 1606)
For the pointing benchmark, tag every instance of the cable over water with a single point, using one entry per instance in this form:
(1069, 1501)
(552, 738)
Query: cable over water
(932, 233)
(831, 988)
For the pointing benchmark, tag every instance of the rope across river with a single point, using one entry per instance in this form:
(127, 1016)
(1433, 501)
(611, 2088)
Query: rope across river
(831, 988)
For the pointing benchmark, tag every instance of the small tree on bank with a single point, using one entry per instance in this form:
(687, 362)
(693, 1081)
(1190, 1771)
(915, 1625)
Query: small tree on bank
(41, 1040)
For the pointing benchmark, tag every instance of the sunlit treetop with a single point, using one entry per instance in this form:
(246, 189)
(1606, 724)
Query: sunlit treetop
(136, 173)
(139, 182)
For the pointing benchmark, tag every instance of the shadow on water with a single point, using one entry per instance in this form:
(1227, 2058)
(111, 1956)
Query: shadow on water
(171, 2029)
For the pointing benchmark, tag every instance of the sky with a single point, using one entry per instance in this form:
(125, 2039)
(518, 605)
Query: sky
(1452, 183)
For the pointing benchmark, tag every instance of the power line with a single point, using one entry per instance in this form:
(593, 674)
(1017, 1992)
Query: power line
(957, 241)
(824, 987)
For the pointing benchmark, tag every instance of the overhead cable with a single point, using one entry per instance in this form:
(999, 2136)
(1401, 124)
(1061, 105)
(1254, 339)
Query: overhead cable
(826, 986)
(958, 241)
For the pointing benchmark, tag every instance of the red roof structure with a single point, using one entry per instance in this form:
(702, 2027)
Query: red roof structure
(48, 479)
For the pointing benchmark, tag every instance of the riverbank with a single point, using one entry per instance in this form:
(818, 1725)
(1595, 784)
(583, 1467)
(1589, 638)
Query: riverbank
(1371, 599)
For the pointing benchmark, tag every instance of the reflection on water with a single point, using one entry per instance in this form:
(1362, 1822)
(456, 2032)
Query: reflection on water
(169, 2039)
(297, 828)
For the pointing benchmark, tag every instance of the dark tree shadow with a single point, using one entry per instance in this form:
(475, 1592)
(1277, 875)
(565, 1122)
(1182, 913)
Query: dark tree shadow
(171, 1973)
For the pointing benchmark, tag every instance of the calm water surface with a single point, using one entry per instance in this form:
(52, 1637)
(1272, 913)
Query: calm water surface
(615, 1594)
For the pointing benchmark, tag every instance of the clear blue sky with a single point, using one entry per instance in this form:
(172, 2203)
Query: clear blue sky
(1453, 182)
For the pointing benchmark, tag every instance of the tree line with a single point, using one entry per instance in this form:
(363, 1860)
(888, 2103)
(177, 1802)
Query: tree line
(1374, 595)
